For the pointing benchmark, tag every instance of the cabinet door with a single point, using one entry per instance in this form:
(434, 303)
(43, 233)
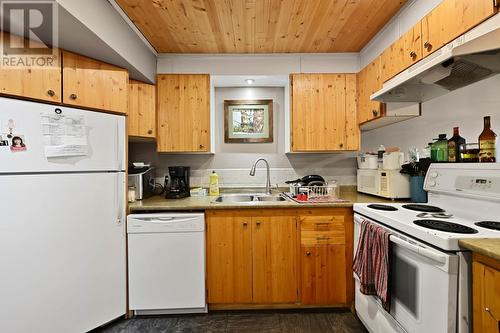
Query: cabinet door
(90, 83)
(36, 82)
(369, 81)
(229, 258)
(324, 116)
(486, 298)
(323, 275)
(451, 19)
(183, 113)
(141, 109)
(406, 51)
(275, 259)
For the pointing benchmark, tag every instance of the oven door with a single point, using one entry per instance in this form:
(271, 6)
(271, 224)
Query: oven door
(423, 285)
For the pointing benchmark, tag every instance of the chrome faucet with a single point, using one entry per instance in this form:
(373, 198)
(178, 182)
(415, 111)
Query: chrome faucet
(268, 182)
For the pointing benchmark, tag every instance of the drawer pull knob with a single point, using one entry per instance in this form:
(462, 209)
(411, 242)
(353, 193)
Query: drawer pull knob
(413, 55)
(257, 223)
(245, 224)
(308, 253)
(150, 131)
(375, 113)
(73, 96)
(428, 46)
(51, 93)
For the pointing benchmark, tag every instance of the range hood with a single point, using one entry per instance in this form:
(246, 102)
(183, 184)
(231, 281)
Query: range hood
(469, 58)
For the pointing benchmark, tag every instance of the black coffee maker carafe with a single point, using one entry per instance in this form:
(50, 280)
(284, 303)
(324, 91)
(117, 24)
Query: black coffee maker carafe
(178, 182)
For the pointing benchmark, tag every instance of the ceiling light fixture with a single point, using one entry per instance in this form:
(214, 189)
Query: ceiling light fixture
(249, 81)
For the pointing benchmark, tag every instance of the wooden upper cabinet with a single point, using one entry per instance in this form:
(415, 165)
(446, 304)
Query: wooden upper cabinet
(406, 51)
(369, 81)
(324, 115)
(34, 82)
(141, 109)
(183, 112)
(229, 257)
(90, 83)
(274, 259)
(450, 19)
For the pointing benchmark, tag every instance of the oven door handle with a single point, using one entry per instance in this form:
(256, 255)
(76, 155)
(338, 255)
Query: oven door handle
(440, 258)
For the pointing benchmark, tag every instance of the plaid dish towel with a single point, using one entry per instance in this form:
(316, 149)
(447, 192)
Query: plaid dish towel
(372, 262)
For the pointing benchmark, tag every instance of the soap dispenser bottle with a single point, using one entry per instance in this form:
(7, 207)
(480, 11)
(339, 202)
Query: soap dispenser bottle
(214, 184)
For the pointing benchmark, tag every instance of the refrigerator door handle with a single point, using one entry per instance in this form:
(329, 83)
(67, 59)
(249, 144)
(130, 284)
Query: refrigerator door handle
(119, 198)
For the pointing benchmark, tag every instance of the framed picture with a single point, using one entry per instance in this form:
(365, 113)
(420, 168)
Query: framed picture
(248, 121)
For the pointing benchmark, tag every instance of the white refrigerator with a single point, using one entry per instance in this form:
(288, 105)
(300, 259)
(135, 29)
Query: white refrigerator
(62, 218)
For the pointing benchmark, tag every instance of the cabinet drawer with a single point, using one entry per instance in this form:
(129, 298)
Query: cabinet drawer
(311, 238)
(322, 223)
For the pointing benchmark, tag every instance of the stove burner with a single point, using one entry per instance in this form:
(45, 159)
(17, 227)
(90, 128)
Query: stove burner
(489, 225)
(423, 208)
(436, 215)
(382, 207)
(445, 226)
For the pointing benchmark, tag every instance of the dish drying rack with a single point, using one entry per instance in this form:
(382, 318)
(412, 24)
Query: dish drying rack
(316, 193)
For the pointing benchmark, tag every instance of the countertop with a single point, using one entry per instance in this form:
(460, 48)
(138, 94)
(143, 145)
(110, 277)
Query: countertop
(489, 247)
(159, 203)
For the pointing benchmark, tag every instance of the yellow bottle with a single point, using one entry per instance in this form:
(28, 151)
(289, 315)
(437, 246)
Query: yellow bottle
(214, 184)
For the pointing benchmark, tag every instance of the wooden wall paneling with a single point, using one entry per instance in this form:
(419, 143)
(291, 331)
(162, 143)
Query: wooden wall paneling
(141, 109)
(183, 111)
(93, 84)
(261, 26)
(274, 259)
(229, 257)
(41, 83)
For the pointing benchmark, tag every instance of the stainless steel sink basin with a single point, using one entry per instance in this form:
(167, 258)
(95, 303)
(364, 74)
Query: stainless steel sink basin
(235, 198)
(271, 198)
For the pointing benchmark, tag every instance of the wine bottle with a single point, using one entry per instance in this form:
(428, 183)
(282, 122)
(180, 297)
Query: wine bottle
(454, 146)
(487, 142)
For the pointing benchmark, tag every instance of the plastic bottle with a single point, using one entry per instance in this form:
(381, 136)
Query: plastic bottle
(214, 184)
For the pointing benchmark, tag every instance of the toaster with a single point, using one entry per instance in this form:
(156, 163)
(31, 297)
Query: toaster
(143, 179)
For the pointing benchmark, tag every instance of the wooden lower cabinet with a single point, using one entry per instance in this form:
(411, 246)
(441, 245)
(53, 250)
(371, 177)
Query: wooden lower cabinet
(486, 294)
(274, 249)
(323, 274)
(279, 257)
(229, 257)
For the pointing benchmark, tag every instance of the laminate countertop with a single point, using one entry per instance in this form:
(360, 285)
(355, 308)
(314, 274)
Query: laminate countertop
(159, 203)
(489, 247)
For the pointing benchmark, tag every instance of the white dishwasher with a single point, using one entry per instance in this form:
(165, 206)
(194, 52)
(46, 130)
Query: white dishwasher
(166, 263)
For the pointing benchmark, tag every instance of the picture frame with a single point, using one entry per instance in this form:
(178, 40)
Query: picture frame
(248, 121)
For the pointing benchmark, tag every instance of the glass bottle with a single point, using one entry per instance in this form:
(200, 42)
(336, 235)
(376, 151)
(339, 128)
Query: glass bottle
(439, 149)
(454, 146)
(487, 142)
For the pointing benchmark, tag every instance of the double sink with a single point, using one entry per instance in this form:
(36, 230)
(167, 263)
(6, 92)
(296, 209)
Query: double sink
(235, 198)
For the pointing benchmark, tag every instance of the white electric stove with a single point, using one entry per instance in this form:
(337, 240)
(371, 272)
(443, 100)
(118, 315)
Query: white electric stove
(430, 281)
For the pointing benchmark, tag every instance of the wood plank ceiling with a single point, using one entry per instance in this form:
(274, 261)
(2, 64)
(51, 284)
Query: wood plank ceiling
(259, 26)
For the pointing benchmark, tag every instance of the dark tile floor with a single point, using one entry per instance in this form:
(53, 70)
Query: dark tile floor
(290, 321)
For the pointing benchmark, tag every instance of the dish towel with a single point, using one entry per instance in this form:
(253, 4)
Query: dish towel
(372, 262)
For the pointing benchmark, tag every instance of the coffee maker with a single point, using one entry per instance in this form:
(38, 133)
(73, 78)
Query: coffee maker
(178, 182)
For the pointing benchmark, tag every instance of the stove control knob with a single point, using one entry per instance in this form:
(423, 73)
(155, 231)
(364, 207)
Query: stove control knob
(434, 174)
(432, 183)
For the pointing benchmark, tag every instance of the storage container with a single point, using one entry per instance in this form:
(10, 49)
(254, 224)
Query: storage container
(368, 161)
(393, 160)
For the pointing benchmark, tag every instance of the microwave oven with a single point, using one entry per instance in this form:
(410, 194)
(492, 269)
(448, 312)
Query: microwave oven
(389, 184)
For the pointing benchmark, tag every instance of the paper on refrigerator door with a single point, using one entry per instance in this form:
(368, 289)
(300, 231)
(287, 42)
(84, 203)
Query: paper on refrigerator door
(64, 135)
